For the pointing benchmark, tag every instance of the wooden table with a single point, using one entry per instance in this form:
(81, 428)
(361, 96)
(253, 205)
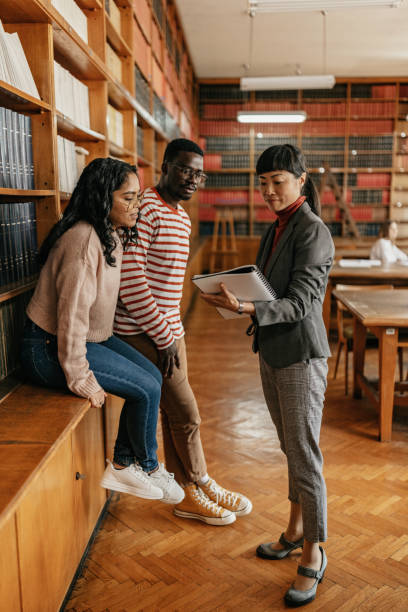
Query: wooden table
(389, 274)
(385, 312)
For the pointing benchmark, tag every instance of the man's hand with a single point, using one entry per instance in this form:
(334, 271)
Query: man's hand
(168, 358)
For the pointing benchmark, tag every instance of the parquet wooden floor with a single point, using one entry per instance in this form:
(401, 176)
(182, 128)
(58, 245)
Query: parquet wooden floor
(146, 559)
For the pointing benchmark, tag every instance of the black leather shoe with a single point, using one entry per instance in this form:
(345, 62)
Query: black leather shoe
(266, 552)
(295, 598)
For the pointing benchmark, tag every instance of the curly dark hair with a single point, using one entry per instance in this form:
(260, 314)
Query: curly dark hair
(91, 201)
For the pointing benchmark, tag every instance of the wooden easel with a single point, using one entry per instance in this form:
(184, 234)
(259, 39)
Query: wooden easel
(224, 246)
(347, 221)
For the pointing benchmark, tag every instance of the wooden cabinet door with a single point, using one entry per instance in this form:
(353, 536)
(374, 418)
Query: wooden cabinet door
(9, 583)
(88, 467)
(46, 530)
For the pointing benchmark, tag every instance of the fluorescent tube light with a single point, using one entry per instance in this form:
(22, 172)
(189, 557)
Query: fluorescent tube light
(271, 117)
(323, 81)
(283, 6)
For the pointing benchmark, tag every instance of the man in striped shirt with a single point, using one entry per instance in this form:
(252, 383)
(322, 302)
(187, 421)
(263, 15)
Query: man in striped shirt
(148, 318)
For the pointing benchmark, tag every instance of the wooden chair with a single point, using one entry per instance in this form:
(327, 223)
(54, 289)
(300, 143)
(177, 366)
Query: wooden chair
(345, 332)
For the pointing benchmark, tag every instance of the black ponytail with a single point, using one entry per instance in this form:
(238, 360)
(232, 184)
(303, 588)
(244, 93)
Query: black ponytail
(290, 158)
(312, 195)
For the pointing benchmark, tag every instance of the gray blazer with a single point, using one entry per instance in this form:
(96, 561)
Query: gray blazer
(291, 328)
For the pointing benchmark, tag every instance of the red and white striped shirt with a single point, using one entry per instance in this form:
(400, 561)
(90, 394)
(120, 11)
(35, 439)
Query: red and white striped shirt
(153, 273)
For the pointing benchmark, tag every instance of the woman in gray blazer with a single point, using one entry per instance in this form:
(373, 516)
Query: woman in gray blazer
(296, 254)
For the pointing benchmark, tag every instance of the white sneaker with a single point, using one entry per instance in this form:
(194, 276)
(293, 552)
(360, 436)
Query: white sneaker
(164, 480)
(131, 479)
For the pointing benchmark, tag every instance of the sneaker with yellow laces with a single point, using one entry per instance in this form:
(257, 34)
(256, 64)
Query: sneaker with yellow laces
(235, 502)
(197, 505)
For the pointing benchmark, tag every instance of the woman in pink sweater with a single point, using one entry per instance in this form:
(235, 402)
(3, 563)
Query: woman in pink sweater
(68, 340)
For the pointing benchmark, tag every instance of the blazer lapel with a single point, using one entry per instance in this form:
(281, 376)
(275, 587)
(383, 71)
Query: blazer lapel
(284, 238)
(267, 246)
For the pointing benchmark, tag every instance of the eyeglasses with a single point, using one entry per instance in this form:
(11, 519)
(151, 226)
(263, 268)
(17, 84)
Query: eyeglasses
(134, 203)
(189, 173)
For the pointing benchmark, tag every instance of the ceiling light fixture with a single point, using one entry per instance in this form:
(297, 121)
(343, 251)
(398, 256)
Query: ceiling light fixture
(300, 81)
(271, 117)
(283, 6)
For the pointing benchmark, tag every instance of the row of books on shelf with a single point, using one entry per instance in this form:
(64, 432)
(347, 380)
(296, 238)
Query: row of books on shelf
(12, 320)
(113, 63)
(165, 120)
(241, 196)
(71, 12)
(71, 162)
(358, 196)
(324, 127)
(366, 179)
(216, 161)
(14, 68)
(368, 229)
(115, 126)
(18, 242)
(358, 180)
(376, 143)
(140, 140)
(372, 109)
(227, 180)
(224, 196)
(141, 174)
(142, 89)
(229, 111)
(241, 228)
(220, 144)
(242, 179)
(16, 153)
(361, 160)
(358, 213)
(358, 90)
(315, 109)
(114, 14)
(71, 96)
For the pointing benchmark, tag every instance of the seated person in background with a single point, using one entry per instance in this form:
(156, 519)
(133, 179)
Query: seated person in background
(68, 339)
(385, 248)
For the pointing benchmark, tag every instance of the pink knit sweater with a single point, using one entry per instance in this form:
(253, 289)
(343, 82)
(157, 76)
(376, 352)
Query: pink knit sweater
(75, 300)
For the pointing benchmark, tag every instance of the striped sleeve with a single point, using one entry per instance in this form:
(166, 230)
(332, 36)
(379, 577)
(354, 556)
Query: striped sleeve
(135, 293)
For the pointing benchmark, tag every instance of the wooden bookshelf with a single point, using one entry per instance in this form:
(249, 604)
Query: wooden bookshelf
(154, 107)
(164, 109)
(354, 128)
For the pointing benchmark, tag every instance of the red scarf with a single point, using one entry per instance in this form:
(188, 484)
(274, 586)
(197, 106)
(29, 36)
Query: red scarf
(281, 223)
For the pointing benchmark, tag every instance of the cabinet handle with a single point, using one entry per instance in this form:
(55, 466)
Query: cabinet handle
(79, 476)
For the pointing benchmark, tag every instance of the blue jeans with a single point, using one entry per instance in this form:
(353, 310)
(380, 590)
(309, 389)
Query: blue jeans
(120, 370)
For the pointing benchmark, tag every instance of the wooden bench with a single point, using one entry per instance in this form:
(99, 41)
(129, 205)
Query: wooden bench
(52, 456)
(51, 461)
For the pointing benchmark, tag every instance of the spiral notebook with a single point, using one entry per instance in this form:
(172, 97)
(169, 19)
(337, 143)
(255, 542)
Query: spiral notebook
(247, 283)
